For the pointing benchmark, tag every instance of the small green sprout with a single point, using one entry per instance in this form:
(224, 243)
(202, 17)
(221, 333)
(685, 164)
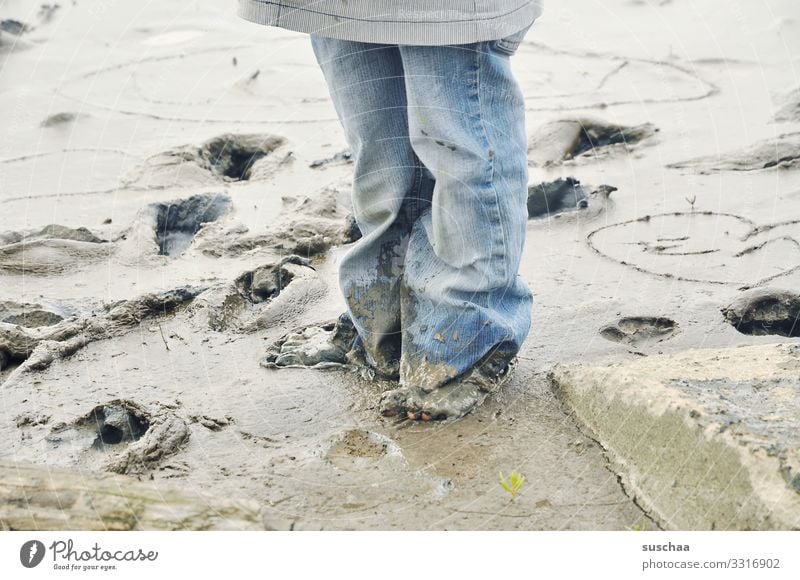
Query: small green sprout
(640, 526)
(513, 484)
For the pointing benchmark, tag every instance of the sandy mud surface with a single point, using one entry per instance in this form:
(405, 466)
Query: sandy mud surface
(174, 191)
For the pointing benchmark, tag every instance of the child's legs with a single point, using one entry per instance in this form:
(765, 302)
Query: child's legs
(368, 90)
(462, 298)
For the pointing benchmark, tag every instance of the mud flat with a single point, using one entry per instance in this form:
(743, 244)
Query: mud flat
(174, 198)
(705, 439)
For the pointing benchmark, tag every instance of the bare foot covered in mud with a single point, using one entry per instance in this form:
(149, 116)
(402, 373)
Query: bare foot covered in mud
(452, 400)
(317, 346)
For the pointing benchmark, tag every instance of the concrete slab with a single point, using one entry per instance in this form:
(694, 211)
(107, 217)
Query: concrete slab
(704, 439)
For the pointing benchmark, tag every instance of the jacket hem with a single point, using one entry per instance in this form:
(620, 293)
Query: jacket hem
(375, 30)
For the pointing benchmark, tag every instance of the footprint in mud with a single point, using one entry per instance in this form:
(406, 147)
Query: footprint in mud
(782, 152)
(702, 246)
(640, 331)
(765, 311)
(262, 297)
(225, 158)
(136, 439)
(565, 139)
(52, 250)
(357, 449)
(552, 198)
(311, 226)
(317, 346)
(177, 222)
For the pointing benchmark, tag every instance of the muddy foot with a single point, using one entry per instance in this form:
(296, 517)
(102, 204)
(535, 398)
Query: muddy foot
(450, 401)
(316, 346)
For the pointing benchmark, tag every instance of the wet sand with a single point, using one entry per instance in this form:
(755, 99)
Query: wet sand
(157, 165)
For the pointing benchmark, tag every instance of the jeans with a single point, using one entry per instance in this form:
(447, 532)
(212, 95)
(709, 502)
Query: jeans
(438, 139)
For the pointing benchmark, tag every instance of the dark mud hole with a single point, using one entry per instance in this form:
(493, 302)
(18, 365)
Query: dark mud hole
(178, 222)
(765, 312)
(234, 157)
(116, 422)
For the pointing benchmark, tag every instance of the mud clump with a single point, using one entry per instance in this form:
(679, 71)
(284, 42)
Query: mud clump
(61, 119)
(127, 313)
(550, 198)
(352, 233)
(267, 282)
(638, 331)
(137, 439)
(313, 225)
(765, 312)
(566, 139)
(15, 27)
(317, 346)
(260, 298)
(782, 152)
(340, 158)
(166, 435)
(178, 222)
(38, 347)
(55, 249)
(31, 420)
(27, 315)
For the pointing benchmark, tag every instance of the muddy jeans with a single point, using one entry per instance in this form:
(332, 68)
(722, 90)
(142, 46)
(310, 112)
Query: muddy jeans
(439, 143)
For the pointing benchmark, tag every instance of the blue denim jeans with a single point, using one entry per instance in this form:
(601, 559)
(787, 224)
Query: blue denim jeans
(438, 139)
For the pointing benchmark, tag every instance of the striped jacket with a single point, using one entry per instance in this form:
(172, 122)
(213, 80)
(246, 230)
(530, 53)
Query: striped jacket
(423, 22)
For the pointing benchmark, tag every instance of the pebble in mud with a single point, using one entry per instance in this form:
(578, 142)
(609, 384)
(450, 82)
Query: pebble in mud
(782, 152)
(765, 311)
(566, 139)
(640, 331)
